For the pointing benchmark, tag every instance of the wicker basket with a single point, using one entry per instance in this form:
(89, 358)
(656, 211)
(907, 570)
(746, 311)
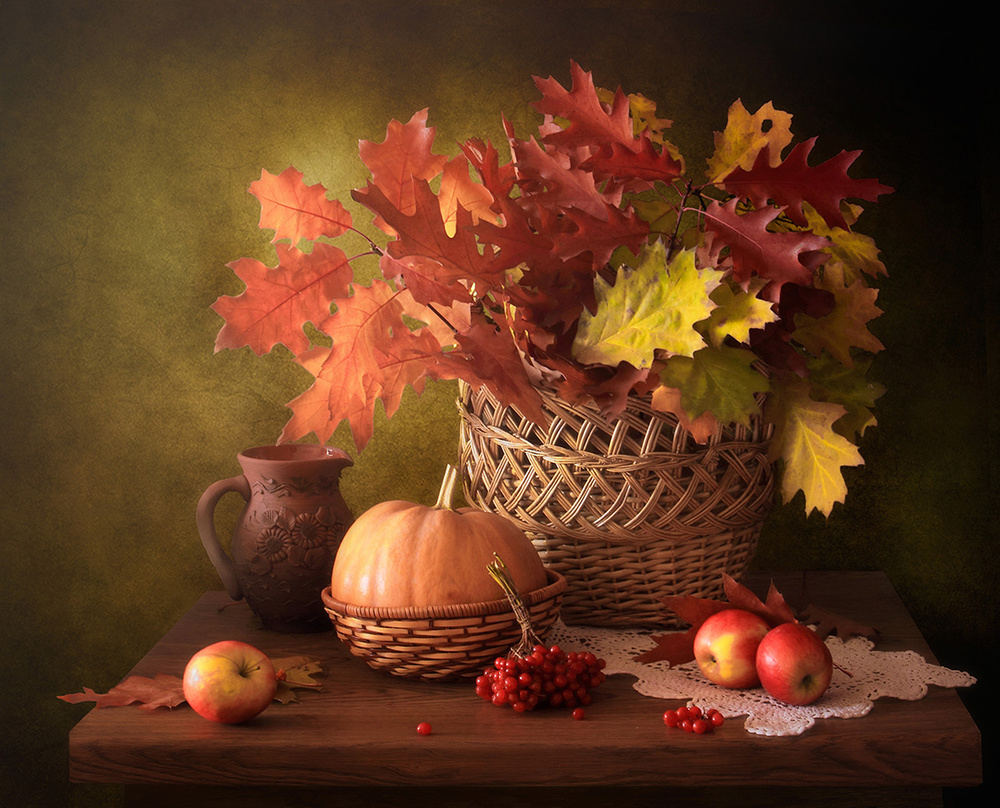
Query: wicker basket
(441, 643)
(628, 511)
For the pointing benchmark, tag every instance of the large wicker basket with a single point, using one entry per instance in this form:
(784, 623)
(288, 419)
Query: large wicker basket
(441, 643)
(628, 511)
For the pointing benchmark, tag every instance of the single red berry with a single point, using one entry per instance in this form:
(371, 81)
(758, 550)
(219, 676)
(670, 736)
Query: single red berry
(682, 714)
(579, 714)
(694, 711)
(717, 719)
(423, 728)
(670, 718)
(700, 726)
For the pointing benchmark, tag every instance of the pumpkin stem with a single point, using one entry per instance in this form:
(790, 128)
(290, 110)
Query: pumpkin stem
(446, 494)
(498, 572)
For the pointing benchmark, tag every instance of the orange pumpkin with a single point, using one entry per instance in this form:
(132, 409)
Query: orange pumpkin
(401, 553)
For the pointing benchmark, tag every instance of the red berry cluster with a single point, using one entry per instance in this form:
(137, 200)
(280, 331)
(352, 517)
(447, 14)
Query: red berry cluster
(692, 719)
(545, 676)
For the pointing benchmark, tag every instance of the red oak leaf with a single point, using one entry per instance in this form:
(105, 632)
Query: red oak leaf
(485, 354)
(294, 210)
(601, 237)
(641, 162)
(166, 690)
(794, 181)
(777, 257)
(552, 182)
(279, 300)
(516, 241)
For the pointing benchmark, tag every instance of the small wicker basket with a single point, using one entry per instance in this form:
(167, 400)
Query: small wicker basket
(628, 511)
(441, 643)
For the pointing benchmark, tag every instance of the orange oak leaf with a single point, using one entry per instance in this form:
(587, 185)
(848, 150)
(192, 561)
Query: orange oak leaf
(458, 193)
(372, 358)
(668, 399)
(279, 300)
(294, 210)
(746, 135)
(590, 122)
(162, 690)
(403, 156)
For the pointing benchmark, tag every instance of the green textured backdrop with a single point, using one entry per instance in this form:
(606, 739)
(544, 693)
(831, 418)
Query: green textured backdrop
(130, 133)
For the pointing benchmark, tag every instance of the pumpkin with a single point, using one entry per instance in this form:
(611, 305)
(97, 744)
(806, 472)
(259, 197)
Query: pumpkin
(401, 553)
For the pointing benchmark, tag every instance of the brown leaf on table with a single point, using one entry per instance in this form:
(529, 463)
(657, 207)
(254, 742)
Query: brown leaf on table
(678, 647)
(828, 623)
(674, 649)
(775, 610)
(162, 690)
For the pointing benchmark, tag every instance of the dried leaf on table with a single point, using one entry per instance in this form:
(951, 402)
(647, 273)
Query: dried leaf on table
(828, 623)
(294, 672)
(162, 690)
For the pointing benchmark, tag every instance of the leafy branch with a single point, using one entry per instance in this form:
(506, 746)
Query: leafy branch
(591, 260)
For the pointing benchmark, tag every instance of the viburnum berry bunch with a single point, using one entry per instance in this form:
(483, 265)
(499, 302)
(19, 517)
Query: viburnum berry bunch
(694, 719)
(546, 676)
(532, 675)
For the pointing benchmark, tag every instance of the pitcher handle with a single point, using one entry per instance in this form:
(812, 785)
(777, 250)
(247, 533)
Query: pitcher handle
(205, 517)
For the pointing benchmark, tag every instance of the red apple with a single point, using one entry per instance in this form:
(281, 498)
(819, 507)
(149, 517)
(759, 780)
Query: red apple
(229, 682)
(725, 647)
(794, 664)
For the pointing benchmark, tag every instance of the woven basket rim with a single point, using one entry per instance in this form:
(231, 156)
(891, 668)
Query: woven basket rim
(586, 457)
(557, 584)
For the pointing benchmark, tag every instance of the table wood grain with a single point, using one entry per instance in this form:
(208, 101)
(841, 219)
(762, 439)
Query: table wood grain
(359, 731)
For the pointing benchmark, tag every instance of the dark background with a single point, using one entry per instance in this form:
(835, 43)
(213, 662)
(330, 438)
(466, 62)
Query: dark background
(130, 132)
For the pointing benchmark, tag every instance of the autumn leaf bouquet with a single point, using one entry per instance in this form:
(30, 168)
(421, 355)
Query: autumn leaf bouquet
(586, 261)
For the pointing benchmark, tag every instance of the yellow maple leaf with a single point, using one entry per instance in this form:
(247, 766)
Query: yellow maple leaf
(737, 312)
(846, 325)
(745, 136)
(652, 307)
(855, 251)
(812, 452)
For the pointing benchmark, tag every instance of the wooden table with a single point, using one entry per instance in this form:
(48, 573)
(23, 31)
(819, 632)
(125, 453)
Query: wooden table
(354, 741)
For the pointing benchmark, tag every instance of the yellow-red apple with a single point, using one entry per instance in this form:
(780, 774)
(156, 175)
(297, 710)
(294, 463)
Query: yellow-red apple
(229, 682)
(725, 647)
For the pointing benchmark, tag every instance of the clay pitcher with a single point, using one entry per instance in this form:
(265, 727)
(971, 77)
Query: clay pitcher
(287, 536)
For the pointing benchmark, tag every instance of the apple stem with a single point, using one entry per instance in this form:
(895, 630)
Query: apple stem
(843, 671)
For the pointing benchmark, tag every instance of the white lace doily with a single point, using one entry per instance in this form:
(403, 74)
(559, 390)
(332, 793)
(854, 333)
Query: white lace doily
(873, 674)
